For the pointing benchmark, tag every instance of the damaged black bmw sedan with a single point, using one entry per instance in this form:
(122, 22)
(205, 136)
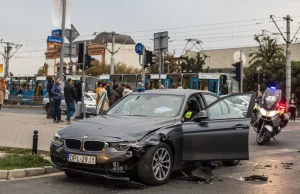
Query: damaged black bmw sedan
(145, 134)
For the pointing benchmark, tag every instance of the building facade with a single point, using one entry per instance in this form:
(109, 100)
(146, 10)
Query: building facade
(98, 48)
(222, 59)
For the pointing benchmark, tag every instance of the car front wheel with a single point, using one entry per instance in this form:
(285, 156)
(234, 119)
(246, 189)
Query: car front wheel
(155, 166)
(231, 162)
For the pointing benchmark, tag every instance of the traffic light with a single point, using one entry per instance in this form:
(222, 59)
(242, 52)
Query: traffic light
(261, 78)
(88, 61)
(255, 78)
(80, 52)
(148, 60)
(237, 71)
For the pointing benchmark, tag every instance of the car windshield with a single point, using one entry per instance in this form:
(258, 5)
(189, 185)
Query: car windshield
(149, 105)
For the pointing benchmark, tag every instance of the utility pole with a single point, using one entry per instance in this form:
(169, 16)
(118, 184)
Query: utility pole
(242, 69)
(83, 79)
(112, 63)
(159, 68)
(62, 50)
(7, 56)
(288, 54)
(288, 58)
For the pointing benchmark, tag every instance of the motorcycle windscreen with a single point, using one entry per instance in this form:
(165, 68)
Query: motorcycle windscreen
(271, 97)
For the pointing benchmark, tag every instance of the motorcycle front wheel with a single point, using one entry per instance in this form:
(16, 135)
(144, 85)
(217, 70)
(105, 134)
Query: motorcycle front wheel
(263, 137)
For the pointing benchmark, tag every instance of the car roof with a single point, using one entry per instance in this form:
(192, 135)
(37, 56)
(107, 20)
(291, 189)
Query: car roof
(180, 92)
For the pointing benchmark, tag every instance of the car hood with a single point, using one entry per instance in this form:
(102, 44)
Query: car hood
(115, 128)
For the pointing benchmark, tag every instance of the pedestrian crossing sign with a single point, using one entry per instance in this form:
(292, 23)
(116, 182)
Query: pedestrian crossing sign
(1, 68)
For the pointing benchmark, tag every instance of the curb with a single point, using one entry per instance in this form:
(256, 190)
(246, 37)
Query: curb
(27, 172)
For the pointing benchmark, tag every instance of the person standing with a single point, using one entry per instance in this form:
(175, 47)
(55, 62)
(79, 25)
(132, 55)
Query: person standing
(49, 88)
(2, 92)
(97, 91)
(114, 96)
(56, 92)
(121, 90)
(293, 102)
(70, 99)
(108, 88)
(101, 92)
(127, 90)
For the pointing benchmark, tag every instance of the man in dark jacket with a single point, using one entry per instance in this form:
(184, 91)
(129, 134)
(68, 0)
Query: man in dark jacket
(50, 108)
(114, 96)
(56, 93)
(70, 99)
(108, 88)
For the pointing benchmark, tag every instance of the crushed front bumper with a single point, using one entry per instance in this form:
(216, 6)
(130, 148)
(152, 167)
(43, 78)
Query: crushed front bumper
(110, 163)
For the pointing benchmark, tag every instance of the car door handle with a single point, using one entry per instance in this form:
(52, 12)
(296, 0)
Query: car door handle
(240, 126)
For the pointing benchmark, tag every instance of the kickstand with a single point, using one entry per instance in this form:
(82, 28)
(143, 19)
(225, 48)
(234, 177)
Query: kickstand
(275, 139)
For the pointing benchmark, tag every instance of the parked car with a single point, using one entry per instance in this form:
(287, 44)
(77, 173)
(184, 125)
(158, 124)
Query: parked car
(89, 101)
(143, 133)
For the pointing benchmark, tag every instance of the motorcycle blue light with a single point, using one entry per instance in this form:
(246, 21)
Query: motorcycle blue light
(274, 88)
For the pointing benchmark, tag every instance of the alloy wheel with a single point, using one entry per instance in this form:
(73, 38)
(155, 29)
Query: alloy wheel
(161, 164)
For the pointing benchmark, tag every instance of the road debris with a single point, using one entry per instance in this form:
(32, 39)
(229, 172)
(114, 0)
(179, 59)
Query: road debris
(256, 178)
(204, 176)
(287, 165)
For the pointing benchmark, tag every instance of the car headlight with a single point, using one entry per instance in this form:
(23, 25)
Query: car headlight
(123, 146)
(57, 140)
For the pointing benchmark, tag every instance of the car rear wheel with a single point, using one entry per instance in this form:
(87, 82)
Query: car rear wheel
(155, 166)
(231, 162)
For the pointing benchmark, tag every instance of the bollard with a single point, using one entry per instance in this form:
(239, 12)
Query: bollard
(35, 142)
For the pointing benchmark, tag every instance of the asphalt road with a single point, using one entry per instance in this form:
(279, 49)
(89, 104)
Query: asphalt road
(280, 180)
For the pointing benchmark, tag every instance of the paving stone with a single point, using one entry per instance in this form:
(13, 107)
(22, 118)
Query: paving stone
(3, 174)
(18, 173)
(51, 169)
(34, 171)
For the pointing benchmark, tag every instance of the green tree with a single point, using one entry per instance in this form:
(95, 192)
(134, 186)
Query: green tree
(41, 71)
(103, 68)
(193, 65)
(270, 59)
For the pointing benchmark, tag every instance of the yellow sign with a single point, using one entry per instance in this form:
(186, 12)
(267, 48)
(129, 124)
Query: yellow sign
(1, 68)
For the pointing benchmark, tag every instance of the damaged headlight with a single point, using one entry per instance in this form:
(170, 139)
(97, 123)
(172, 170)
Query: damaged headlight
(57, 140)
(123, 146)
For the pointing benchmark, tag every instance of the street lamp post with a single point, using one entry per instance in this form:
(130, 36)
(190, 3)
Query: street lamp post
(258, 79)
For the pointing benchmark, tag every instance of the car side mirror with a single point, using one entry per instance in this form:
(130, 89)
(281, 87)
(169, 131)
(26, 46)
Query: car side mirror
(200, 116)
(244, 103)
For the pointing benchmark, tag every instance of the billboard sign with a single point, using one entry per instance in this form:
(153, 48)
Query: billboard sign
(54, 41)
(56, 33)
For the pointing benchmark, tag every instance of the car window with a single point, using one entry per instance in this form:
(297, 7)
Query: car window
(148, 105)
(210, 98)
(225, 109)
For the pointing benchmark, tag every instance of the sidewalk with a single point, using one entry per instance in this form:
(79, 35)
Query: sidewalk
(16, 130)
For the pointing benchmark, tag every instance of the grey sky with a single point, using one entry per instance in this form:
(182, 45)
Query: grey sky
(31, 21)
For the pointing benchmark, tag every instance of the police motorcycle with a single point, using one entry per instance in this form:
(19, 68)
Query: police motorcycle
(271, 116)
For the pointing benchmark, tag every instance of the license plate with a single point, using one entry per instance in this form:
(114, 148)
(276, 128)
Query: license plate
(82, 159)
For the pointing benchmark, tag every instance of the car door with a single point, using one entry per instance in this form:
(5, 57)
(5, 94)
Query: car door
(223, 135)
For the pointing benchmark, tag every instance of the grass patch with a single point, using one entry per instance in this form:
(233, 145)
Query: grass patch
(24, 160)
(15, 150)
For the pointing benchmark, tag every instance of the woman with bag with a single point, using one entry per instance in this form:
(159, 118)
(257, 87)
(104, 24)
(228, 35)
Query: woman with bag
(292, 109)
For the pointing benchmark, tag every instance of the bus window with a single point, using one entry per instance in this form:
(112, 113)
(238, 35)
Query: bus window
(203, 84)
(117, 79)
(175, 81)
(131, 80)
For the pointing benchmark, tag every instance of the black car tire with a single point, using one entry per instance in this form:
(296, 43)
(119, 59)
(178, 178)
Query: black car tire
(71, 174)
(47, 107)
(145, 165)
(231, 162)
